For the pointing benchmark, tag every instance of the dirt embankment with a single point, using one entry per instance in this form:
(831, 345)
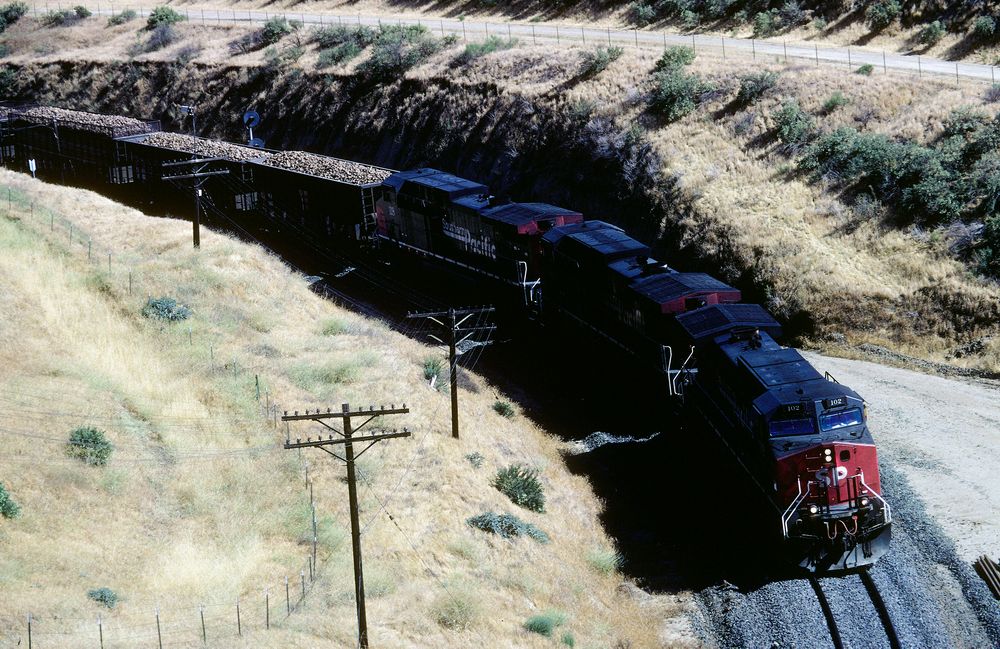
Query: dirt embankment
(532, 125)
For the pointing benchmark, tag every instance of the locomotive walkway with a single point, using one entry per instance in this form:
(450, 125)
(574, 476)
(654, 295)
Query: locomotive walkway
(764, 51)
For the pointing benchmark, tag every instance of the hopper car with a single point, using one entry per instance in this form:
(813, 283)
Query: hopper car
(802, 438)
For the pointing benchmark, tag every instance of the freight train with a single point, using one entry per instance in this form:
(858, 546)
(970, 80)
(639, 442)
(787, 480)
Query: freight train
(802, 437)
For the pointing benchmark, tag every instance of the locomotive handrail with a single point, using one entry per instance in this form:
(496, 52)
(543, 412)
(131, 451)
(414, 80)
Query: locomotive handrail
(673, 379)
(885, 503)
(787, 515)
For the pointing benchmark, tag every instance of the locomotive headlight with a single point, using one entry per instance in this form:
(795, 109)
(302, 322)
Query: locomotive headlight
(828, 453)
(813, 509)
(864, 502)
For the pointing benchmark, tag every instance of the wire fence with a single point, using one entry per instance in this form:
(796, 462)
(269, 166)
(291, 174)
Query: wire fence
(848, 59)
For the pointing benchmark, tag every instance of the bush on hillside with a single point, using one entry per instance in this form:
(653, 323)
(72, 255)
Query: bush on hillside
(520, 484)
(506, 526)
(674, 57)
(964, 122)
(641, 13)
(865, 70)
(161, 16)
(676, 94)
(81, 12)
(984, 28)
(503, 409)
(835, 101)
(327, 37)
(159, 38)
(545, 623)
(433, 366)
(992, 93)
(988, 251)
(165, 308)
(794, 125)
(476, 459)
(104, 596)
(11, 13)
(8, 508)
(456, 609)
(396, 49)
(121, 18)
(598, 60)
(932, 33)
(882, 13)
(754, 85)
(58, 18)
(274, 30)
(766, 23)
(491, 44)
(90, 445)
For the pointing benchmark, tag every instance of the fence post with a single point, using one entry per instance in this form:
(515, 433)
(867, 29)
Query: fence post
(109, 263)
(90, 242)
(29, 630)
(534, 40)
(785, 44)
(130, 282)
(885, 66)
(100, 630)
(693, 46)
(239, 623)
(159, 636)
(557, 35)
(267, 609)
(204, 636)
(993, 74)
(723, 48)
(584, 35)
(919, 70)
(956, 73)
(753, 46)
(849, 64)
(508, 32)
(816, 48)
(288, 601)
(312, 574)
(609, 36)
(302, 576)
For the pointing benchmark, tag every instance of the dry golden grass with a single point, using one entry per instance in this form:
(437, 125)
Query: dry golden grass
(166, 522)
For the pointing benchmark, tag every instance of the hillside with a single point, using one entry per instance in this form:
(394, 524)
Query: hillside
(714, 174)
(199, 505)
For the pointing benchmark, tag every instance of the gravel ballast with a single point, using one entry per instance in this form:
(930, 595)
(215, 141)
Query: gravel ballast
(203, 147)
(326, 167)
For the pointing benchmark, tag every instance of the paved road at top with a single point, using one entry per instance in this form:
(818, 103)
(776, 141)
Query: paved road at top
(552, 33)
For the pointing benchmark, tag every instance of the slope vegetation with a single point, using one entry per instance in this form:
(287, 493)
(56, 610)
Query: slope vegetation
(198, 504)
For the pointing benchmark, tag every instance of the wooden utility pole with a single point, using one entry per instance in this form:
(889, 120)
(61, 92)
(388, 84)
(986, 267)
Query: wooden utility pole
(200, 173)
(348, 439)
(454, 328)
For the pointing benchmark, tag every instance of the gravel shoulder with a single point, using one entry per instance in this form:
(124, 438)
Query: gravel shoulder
(943, 435)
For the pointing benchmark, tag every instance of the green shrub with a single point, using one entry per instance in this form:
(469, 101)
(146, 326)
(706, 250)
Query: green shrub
(819, 24)
(881, 13)
(161, 16)
(121, 18)
(11, 13)
(433, 367)
(506, 526)
(988, 251)
(865, 70)
(8, 508)
(605, 561)
(985, 179)
(835, 101)
(568, 639)
(165, 308)
(963, 122)
(794, 124)
(396, 49)
(338, 54)
(676, 94)
(274, 30)
(503, 409)
(992, 93)
(675, 57)
(327, 37)
(792, 13)
(475, 459)
(545, 623)
(766, 23)
(58, 18)
(598, 60)
(490, 45)
(984, 28)
(932, 33)
(754, 85)
(90, 445)
(81, 12)
(520, 484)
(104, 596)
(642, 14)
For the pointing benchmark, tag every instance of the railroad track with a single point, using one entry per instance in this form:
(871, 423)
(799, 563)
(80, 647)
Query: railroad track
(990, 572)
(876, 598)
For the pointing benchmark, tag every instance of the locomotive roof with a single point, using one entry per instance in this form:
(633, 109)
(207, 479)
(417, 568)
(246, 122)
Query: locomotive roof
(710, 321)
(523, 213)
(602, 238)
(665, 287)
(436, 179)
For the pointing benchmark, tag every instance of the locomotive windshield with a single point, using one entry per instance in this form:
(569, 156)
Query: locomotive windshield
(789, 427)
(843, 419)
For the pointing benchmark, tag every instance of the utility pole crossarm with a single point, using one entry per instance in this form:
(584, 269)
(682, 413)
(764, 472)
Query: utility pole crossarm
(441, 314)
(298, 443)
(371, 412)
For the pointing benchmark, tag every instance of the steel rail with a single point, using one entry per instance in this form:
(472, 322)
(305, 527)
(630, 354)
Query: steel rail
(831, 622)
(883, 611)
